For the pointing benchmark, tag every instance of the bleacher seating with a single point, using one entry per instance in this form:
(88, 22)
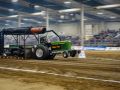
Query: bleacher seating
(105, 38)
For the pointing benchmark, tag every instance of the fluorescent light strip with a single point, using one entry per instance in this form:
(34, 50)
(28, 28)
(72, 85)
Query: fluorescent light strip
(12, 16)
(112, 17)
(39, 13)
(11, 10)
(14, 1)
(37, 6)
(69, 10)
(67, 2)
(100, 13)
(6, 24)
(108, 6)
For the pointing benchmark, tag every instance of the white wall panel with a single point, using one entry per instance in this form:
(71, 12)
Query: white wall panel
(113, 25)
(74, 28)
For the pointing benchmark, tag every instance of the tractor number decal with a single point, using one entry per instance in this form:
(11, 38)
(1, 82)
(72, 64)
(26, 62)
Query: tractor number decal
(56, 47)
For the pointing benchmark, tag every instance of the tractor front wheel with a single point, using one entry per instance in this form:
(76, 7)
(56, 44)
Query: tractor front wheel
(65, 54)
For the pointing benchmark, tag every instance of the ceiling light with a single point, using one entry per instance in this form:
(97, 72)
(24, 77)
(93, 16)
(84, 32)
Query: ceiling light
(112, 17)
(39, 22)
(67, 2)
(108, 6)
(22, 23)
(11, 10)
(69, 10)
(36, 6)
(26, 19)
(99, 13)
(62, 16)
(14, 1)
(13, 16)
(71, 14)
(39, 13)
(84, 19)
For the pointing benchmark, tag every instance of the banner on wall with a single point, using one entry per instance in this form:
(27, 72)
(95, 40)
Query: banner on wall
(112, 48)
(94, 48)
(102, 48)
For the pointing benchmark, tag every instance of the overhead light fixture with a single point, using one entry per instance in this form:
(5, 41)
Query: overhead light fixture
(12, 16)
(69, 10)
(22, 23)
(113, 17)
(6, 24)
(39, 13)
(62, 16)
(11, 10)
(67, 2)
(36, 6)
(108, 6)
(39, 22)
(84, 19)
(100, 13)
(71, 14)
(26, 19)
(14, 1)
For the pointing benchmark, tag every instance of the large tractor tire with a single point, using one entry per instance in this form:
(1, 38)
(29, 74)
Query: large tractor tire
(65, 54)
(41, 52)
(51, 56)
(73, 53)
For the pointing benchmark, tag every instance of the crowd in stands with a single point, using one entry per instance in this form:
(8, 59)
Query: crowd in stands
(109, 38)
(106, 38)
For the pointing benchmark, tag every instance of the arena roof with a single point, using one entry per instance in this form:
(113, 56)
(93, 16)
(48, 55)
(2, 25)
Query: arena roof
(15, 7)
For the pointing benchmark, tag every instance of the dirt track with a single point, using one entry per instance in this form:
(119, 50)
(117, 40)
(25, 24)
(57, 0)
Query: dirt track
(100, 69)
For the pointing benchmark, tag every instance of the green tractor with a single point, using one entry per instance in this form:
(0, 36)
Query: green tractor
(49, 49)
(46, 49)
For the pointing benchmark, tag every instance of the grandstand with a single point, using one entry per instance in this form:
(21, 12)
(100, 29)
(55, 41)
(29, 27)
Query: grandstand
(109, 38)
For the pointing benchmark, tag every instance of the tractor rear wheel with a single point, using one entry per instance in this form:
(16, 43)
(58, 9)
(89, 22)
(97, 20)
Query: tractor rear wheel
(73, 53)
(52, 56)
(41, 52)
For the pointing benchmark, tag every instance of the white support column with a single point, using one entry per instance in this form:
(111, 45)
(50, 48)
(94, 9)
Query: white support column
(19, 25)
(19, 20)
(47, 19)
(82, 53)
(82, 26)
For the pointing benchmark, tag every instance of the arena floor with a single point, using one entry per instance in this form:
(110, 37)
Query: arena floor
(99, 71)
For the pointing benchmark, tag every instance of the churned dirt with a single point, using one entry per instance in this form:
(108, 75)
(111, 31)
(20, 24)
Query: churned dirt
(63, 74)
(12, 84)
